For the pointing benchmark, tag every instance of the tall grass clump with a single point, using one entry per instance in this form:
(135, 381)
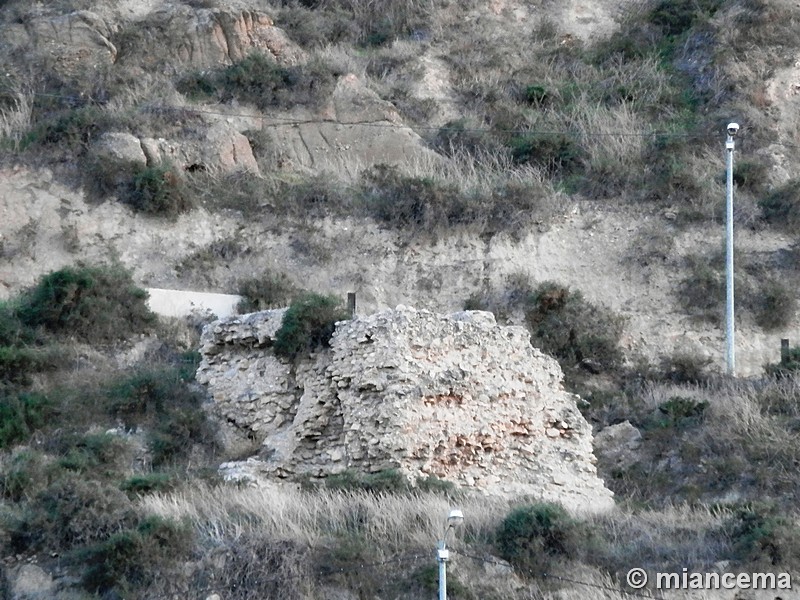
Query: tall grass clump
(269, 290)
(781, 207)
(16, 108)
(447, 201)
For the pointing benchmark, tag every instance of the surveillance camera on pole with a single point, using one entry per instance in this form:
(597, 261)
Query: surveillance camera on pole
(733, 129)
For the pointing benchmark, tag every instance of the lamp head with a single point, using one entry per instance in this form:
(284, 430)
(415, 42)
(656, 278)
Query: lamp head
(733, 129)
(455, 518)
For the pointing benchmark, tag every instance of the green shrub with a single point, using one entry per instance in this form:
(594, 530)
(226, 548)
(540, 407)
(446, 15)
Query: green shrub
(148, 483)
(177, 430)
(147, 393)
(476, 302)
(761, 535)
(314, 28)
(20, 415)
(250, 556)
(12, 331)
(162, 402)
(368, 23)
(72, 511)
(17, 364)
(559, 154)
(537, 95)
(781, 207)
(750, 174)
(308, 324)
(70, 130)
(432, 484)
(431, 206)
(388, 481)
(413, 203)
(675, 17)
(270, 290)
(84, 453)
(133, 557)
(685, 367)
(702, 291)
(427, 578)
(196, 86)
(23, 476)
(158, 190)
(259, 80)
(463, 136)
(775, 305)
(534, 537)
(571, 329)
(682, 412)
(94, 304)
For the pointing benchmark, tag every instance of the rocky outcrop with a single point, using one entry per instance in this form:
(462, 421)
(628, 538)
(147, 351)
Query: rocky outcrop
(71, 44)
(203, 38)
(617, 445)
(458, 397)
(30, 582)
(218, 147)
(357, 128)
(119, 149)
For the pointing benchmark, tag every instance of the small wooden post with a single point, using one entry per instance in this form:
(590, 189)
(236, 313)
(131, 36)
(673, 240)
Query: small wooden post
(351, 304)
(784, 351)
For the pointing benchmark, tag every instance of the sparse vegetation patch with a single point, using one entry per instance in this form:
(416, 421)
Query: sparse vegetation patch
(308, 324)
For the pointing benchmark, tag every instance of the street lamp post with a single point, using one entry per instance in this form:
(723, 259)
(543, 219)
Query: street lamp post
(454, 519)
(733, 129)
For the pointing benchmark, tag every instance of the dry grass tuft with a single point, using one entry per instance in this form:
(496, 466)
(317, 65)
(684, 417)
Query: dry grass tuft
(396, 522)
(15, 117)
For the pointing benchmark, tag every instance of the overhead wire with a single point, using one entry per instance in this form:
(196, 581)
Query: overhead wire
(272, 120)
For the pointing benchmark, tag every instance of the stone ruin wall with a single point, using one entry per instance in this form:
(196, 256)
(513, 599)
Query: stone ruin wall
(459, 397)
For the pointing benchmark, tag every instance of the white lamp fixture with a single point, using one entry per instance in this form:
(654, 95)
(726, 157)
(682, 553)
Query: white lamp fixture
(454, 519)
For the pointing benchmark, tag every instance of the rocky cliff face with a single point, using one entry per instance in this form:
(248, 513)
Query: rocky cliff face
(459, 397)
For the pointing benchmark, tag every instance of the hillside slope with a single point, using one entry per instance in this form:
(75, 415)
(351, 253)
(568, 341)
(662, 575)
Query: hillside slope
(632, 258)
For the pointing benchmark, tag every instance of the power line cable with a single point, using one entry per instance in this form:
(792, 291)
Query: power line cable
(271, 120)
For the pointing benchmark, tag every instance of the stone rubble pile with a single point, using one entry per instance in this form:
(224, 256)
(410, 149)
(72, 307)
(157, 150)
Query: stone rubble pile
(458, 397)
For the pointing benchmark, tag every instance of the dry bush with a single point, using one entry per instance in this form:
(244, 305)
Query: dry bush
(16, 109)
(671, 538)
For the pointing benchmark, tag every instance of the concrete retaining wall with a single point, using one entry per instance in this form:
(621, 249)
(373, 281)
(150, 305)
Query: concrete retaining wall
(180, 303)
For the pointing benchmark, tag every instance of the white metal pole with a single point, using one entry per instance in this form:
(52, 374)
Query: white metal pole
(729, 308)
(442, 555)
